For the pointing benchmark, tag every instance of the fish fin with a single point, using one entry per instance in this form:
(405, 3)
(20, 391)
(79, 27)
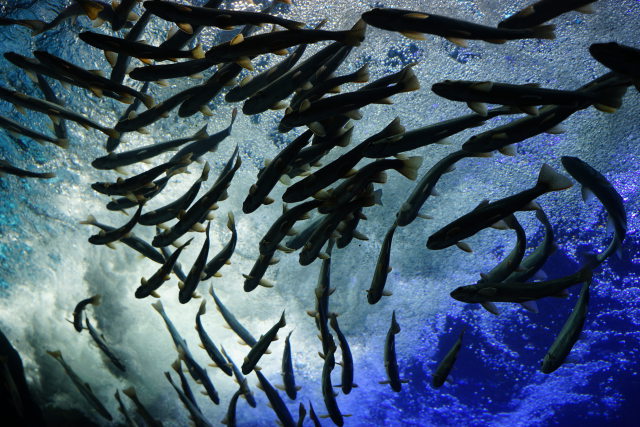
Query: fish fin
(531, 306)
(154, 294)
(556, 130)
(529, 109)
(552, 180)
(586, 9)
(458, 41)
(414, 35)
(464, 246)
(384, 382)
(544, 32)
(265, 283)
(187, 28)
(587, 194)
(245, 62)
(490, 307)
(355, 36)
(500, 225)
(424, 216)
(509, 150)
(479, 107)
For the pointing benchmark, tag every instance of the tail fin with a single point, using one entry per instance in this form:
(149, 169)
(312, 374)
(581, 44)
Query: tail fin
(282, 322)
(91, 220)
(203, 308)
(157, 307)
(148, 101)
(205, 172)
(355, 36)
(96, 299)
(552, 180)
(362, 75)
(609, 99)
(544, 32)
(410, 167)
(409, 81)
(231, 222)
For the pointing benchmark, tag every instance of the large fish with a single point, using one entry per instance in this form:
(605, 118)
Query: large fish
(414, 24)
(544, 10)
(446, 364)
(488, 214)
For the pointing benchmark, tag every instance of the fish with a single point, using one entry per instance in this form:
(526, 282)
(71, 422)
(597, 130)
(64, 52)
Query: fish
(347, 359)
(436, 133)
(54, 111)
(297, 241)
(347, 103)
(122, 61)
(593, 183)
(240, 49)
(208, 345)
(144, 413)
(321, 314)
(110, 236)
(77, 311)
(147, 194)
(282, 226)
(174, 209)
(134, 242)
(414, 24)
(113, 143)
(313, 417)
(102, 345)
(260, 347)
(524, 96)
(200, 209)
(340, 167)
(271, 95)
(160, 72)
(222, 257)
(83, 387)
(184, 383)
(8, 168)
(130, 157)
(177, 268)
(446, 364)
(302, 414)
(619, 58)
(180, 39)
(233, 322)
(251, 84)
(487, 214)
(123, 410)
(288, 377)
(241, 380)
(390, 359)
(92, 80)
(60, 129)
(376, 290)
(198, 101)
(327, 388)
(189, 286)
(544, 10)
(97, 11)
(122, 12)
(33, 24)
(569, 334)
(150, 286)
(178, 341)
(278, 406)
(32, 67)
(230, 418)
(348, 230)
(197, 417)
(187, 16)
(135, 49)
(520, 292)
(268, 176)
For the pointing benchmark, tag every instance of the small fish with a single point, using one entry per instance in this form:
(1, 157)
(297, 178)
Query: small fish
(414, 24)
(188, 16)
(222, 257)
(322, 292)
(619, 58)
(135, 243)
(544, 10)
(532, 263)
(230, 417)
(33, 24)
(177, 268)
(241, 380)
(569, 334)
(252, 84)
(123, 410)
(272, 172)
(60, 128)
(32, 67)
(82, 386)
(54, 111)
(376, 290)
(327, 388)
(147, 194)
(348, 230)
(488, 214)
(281, 227)
(196, 416)
(233, 323)
(178, 341)
(258, 350)
(102, 345)
(390, 360)
(140, 408)
(77, 311)
(112, 143)
(184, 383)
(477, 93)
(200, 209)
(136, 49)
(446, 364)
(8, 168)
(278, 406)
(208, 345)
(106, 237)
(122, 62)
(199, 374)
(520, 292)
(189, 286)
(340, 167)
(288, 378)
(149, 287)
(302, 414)
(512, 261)
(594, 183)
(97, 11)
(347, 359)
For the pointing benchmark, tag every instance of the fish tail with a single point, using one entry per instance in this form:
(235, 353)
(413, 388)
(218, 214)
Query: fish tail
(112, 133)
(96, 299)
(552, 180)
(91, 220)
(355, 35)
(410, 167)
(231, 222)
(62, 143)
(409, 81)
(157, 306)
(609, 99)
(36, 25)
(362, 75)
(205, 172)
(55, 353)
(197, 52)
(544, 32)
(203, 308)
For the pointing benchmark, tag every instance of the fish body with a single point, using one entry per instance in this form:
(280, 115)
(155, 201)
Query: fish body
(258, 350)
(189, 286)
(327, 388)
(376, 290)
(6, 167)
(141, 409)
(102, 345)
(277, 404)
(145, 194)
(181, 38)
(544, 10)
(347, 359)
(241, 380)
(77, 311)
(222, 257)
(148, 287)
(390, 359)
(122, 12)
(279, 229)
(113, 142)
(533, 262)
(233, 322)
(122, 62)
(106, 237)
(444, 367)
(184, 383)
(196, 415)
(296, 242)
(513, 260)
(208, 344)
(288, 377)
(177, 268)
(487, 214)
(415, 23)
(156, 72)
(197, 101)
(230, 417)
(619, 58)
(60, 128)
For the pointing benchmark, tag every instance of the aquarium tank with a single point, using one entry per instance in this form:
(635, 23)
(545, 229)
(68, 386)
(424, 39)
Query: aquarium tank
(389, 213)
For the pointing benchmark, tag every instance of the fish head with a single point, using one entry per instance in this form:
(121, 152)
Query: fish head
(467, 294)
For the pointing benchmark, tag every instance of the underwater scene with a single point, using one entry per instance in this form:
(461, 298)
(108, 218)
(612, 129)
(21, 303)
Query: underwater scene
(304, 213)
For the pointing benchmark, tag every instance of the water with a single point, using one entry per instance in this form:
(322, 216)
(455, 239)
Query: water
(48, 266)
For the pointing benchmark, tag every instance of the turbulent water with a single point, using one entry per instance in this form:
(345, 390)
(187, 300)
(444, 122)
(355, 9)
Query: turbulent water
(48, 265)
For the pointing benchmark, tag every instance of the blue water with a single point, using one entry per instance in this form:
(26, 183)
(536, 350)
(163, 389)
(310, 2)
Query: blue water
(48, 265)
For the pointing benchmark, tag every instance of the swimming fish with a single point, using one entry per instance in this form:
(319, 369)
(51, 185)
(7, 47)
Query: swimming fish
(147, 194)
(297, 241)
(446, 364)
(189, 286)
(544, 10)
(184, 383)
(241, 380)
(260, 347)
(122, 61)
(390, 359)
(102, 345)
(122, 11)
(230, 417)
(327, 388)
(16, 129)
(208, 345)
(149, 287)
(60, 128)
(288, 377)
(278, 406)
(222, 257)
(140, 408)
(620, 58)
(177, 267)
(196, 416)
(233, 322)
(96, 11)
(282, 226)
(77, 311)
(376, 290)
(347, 359)
(113, 142)
(105, 237)
(487, 214)
(123, 410)
(6, 167)
(179, 39)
